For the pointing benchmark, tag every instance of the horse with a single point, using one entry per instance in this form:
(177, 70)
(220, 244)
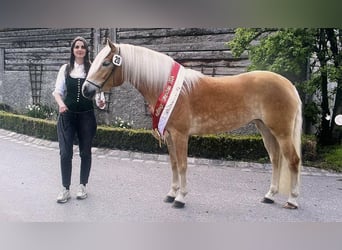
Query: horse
(208, 105)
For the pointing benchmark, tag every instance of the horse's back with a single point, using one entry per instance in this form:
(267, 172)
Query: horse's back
(254, 86)
(258, 80)
(218, 104)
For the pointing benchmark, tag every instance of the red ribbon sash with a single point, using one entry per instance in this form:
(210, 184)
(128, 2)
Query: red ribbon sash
(164, 97)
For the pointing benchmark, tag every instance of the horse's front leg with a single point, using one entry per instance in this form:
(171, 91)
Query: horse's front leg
(181, 148)
(178, 149)
(180, 198)
(171, 195)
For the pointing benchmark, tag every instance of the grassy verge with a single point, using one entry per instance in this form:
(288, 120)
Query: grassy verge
(329, 158)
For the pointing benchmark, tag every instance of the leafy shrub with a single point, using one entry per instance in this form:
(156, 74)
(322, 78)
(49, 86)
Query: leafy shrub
(227, 147)
(29, 126)
(5, 107)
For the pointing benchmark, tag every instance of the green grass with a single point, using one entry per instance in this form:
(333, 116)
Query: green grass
(332, 156)
(329, 158)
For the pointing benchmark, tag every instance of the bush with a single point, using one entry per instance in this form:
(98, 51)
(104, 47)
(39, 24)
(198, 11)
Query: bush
(309, 148)
(29, 126)
(5, 107)
(127, 139)
(227, 147)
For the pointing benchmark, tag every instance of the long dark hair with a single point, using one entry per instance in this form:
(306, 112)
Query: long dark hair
(87, 62)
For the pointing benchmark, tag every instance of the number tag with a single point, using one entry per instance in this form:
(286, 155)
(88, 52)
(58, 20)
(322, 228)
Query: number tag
(117, 60)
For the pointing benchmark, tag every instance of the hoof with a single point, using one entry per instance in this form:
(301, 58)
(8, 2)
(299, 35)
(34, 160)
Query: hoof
(267, 201)
(178, 204)
(169, 199)
(289, 205)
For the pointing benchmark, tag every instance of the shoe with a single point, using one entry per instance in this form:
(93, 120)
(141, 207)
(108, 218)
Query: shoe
(81, 194)
(63, 196)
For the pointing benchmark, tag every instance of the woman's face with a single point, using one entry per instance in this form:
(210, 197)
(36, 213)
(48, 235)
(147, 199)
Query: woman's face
(79, 50)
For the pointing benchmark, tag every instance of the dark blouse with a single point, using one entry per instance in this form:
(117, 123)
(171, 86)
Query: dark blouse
(74, 99)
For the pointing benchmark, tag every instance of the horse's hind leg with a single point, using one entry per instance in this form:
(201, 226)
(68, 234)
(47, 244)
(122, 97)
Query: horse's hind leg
(283, 156)
(293, 159)
(273, 150)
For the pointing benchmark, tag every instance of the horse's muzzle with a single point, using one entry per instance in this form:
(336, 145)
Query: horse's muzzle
(88, 90)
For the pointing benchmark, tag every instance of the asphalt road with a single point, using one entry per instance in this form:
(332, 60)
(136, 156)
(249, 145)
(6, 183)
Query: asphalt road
(130, 187)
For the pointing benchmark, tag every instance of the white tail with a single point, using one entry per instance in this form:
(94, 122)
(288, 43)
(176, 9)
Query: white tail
(285, 177)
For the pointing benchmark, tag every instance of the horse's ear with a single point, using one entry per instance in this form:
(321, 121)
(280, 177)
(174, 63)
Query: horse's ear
(110, 44)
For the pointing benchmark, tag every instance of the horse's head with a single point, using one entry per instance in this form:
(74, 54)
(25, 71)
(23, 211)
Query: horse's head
(105, 71)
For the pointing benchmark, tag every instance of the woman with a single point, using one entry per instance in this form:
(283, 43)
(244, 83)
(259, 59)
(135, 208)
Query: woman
(76, 116)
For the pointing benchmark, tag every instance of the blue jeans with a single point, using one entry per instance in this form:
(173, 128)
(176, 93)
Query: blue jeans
(84, 125)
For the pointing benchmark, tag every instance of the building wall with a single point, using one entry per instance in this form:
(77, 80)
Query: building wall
(202, 49)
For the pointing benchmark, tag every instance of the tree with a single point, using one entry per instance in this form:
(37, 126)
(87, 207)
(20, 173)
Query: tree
(310, 58)
(335, 39)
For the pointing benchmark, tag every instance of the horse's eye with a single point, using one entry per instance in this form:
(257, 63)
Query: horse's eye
(106, 63)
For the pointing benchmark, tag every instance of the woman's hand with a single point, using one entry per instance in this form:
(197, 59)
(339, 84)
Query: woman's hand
(100, 100)
(101, 104)
(61, 105)
(62, 109)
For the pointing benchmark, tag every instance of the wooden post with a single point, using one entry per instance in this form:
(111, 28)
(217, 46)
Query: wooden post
(112, 35)
(97, 41)
(2, 62)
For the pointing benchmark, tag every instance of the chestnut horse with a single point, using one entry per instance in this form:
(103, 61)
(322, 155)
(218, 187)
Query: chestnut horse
(210, 105)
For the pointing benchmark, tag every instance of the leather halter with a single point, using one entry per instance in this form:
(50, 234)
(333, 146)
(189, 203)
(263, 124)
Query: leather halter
(100, 86)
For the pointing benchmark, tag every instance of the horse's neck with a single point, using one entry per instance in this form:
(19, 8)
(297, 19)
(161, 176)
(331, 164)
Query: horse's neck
(148, 76)
(150, 94)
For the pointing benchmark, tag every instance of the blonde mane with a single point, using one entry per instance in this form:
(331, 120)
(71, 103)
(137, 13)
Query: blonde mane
(144, 66)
